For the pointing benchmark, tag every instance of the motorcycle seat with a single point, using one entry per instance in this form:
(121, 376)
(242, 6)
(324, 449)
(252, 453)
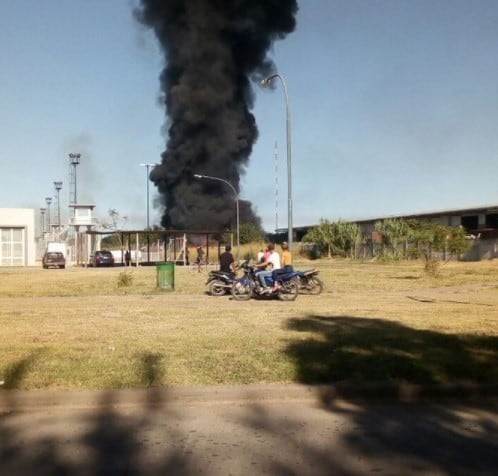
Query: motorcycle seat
(221, 273)
(309, 271)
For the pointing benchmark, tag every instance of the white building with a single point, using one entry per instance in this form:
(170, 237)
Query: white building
(17, 237)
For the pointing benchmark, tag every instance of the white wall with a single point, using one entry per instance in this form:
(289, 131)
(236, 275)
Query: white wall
(22, 218)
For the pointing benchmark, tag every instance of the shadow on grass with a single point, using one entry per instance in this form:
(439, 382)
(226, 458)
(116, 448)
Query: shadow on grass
(14, 373)
(106, 438)
(150, 368)
(336, 349)
(155, 434)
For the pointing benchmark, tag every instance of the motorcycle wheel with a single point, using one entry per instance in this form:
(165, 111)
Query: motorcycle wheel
(241, 292)
(216, 288)
(315, 286)
(289, 290)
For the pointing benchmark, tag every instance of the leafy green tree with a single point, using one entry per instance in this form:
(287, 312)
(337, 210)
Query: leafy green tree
(347, 237)
(339, 237)
(111, 242)
(322, 236)
(458, 242)
(394, 231)
(250, 233)
(439, 243)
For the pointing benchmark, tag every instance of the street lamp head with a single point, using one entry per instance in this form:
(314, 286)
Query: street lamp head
(58, 186)
(266, 83)
(198, 176)
(48, 200)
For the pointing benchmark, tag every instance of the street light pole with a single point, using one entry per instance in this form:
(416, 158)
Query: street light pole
(42, 211)
(147, 167)
(49, 201)
(75, 160)
(58, 188)
(199, 176)
(266, 83)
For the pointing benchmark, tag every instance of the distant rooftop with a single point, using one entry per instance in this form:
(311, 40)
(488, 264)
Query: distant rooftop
(450, 211)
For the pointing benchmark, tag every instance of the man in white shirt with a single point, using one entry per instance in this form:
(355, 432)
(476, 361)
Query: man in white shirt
(271, 263)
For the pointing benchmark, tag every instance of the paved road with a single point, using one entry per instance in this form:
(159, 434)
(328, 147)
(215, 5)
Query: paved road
(248, 430)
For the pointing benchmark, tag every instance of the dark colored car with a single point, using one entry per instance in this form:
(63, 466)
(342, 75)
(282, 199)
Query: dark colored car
(102, 258)
(53, 259)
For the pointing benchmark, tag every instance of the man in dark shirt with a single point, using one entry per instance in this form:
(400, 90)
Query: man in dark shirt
(227, 263)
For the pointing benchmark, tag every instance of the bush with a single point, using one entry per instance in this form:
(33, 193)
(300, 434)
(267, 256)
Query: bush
(388, 255)
(125, 279)
(431, 267)
(310, 251)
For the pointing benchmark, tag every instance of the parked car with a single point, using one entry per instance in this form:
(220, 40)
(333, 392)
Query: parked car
(101, 258)
(53, 259)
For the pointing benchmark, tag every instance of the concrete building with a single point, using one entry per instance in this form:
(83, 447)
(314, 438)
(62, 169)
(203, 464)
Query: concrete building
(480, 223)
(17, 237)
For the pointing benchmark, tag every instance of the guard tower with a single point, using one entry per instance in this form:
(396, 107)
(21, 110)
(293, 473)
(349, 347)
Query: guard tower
(82, 217)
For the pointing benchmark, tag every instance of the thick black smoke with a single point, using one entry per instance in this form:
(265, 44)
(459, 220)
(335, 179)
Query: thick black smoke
(213, 49)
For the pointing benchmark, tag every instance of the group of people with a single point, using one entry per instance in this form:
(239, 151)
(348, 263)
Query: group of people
(270, 263)
(274, 265)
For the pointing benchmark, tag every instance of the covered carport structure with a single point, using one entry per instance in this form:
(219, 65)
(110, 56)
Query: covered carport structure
(164, 245)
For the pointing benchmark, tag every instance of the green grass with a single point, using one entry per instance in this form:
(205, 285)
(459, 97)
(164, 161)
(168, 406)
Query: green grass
(82, 328)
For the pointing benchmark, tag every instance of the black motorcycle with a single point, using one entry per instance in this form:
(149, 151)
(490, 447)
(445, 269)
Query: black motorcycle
(309, 282)
(220, 282)
(286, 289)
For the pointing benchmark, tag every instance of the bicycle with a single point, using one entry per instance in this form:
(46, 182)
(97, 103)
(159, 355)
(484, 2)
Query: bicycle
(198, 265)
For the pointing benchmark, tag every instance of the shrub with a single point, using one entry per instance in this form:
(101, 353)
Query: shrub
(125, 279)
(338, 237)
(431, 267)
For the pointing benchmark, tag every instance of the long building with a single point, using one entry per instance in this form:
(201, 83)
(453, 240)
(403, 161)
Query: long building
(480, 223)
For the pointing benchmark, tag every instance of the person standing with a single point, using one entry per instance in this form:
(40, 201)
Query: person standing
(227, 263)
(200, 258)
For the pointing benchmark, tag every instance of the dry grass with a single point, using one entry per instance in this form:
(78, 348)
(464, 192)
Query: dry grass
(77, 328)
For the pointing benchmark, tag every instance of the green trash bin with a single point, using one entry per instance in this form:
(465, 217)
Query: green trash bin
(166, 275)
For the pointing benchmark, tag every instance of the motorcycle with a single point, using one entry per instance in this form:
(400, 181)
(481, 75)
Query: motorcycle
(220, 283)
(309, 282)
(249, 285)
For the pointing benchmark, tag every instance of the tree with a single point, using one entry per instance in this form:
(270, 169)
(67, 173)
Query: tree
(347, 237)
(250, 233)
(114, 215)
(322, 236)
(439, 243)
(394, 231)
(111, 242)
(339, 237)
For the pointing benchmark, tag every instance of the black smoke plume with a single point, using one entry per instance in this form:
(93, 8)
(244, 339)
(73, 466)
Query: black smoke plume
(213, 49)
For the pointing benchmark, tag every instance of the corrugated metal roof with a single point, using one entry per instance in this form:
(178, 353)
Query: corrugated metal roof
(432, 213)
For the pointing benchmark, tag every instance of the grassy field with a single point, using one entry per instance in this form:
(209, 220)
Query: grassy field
(76, 328)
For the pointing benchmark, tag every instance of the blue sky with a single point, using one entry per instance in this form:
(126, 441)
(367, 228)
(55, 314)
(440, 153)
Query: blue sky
(394, 109)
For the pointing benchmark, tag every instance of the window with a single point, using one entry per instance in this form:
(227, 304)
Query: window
(12, 247)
